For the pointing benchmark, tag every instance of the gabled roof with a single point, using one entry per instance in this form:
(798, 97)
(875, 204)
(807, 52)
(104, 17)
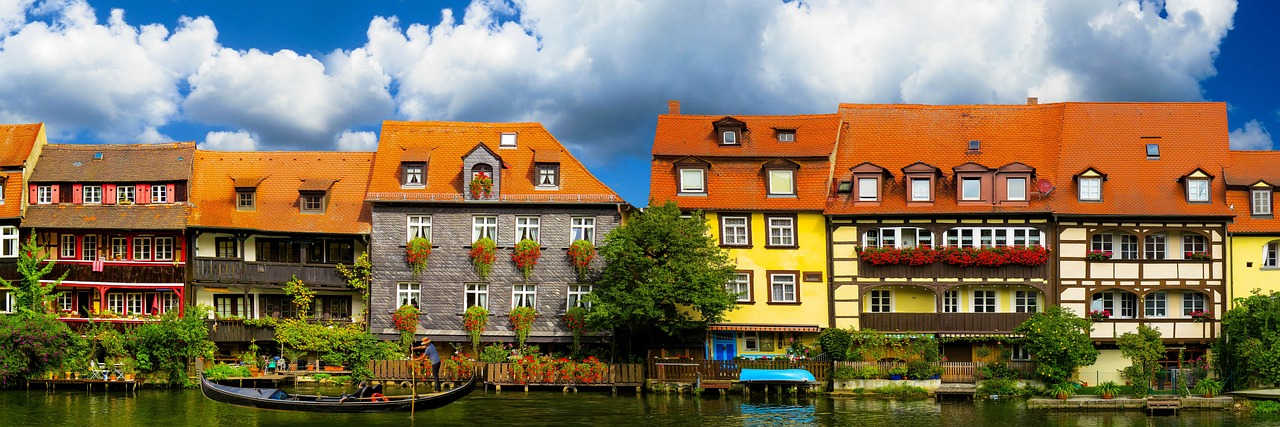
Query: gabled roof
(277, 178)
(99, 217)
(897, 136)
(448, 142)
(1246, 169)
(694, 135)
(118, 163)
(16, 142)
(13, 191)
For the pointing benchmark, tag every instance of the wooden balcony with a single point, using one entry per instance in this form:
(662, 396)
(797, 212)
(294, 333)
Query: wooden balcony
(941, 269)
(222, 270)
(120, 272)
(943, 322)
(233, 331)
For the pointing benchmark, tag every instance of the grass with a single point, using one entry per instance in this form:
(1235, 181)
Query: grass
(906, 392)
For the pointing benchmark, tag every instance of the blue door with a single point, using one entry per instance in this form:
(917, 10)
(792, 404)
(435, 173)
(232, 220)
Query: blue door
(725, 345)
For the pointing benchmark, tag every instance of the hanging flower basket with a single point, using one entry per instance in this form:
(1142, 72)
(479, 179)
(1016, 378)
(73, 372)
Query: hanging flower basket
(481, 186)
(405, 320)
(482, 256)
(416, 253)
(526, 256)
(581, 252)
(522, 318)
(474, 322)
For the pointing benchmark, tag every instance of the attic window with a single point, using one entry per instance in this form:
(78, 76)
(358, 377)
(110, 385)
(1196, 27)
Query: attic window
(844, 187)
(729, 137)
(786, 135)
(412, 174)
(245, 199)
(311, 202)
(975, 145)
(508, 140)
(548, 175)
(1153, 151)
(97, 156)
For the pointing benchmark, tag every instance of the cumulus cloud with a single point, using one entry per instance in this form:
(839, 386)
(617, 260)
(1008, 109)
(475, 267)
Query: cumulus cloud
(357, 141)
(1253, 136)
(230, 141)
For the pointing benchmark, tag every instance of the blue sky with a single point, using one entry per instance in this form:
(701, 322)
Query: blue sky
(317, 75)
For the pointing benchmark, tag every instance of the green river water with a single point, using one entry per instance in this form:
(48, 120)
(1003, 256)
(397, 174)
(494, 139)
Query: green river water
(190, 408)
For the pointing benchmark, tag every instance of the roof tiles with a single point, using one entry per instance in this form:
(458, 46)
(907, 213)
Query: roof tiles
(118, 163)
(16, 142)
(1246, 169)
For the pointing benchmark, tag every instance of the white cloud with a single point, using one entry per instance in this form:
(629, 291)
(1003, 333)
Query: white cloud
(1253, 136)
(230, 141)
(357, 141)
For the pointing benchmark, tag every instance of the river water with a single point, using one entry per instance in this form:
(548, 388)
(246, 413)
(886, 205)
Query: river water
(190, 408)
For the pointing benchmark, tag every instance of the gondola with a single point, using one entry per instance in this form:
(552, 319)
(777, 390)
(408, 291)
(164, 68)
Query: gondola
(273, 398)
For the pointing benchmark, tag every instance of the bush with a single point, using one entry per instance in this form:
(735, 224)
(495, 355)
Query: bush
(845, 373)
(223, 371)
(919, 370)
(1060, 342)
(903, 392)
(494, 353)
(1002, 387)
(997, 370)
(835, 343)
(870, 373)
(321, 377)
(33, 343)
(1266, 407)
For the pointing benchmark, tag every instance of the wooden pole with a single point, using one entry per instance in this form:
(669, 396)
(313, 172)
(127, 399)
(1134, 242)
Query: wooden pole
(414, 382)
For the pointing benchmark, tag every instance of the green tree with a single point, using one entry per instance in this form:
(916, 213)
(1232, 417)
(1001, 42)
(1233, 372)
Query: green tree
(302, 296)
(663, 272)
(1060, 342)
(1144, 349)
(1248, 354)
(169, 346)
(30, 294)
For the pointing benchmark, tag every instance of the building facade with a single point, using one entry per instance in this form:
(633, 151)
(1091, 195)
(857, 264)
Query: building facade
(20, 147)
(1252, 179)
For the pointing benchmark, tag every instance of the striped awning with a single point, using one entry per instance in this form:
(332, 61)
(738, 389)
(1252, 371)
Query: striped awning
(765, 328)
(993, 335)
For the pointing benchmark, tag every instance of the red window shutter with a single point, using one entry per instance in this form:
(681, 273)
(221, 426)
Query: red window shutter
(32, 199)
(77, 193)
(56, 193)
(108, 194)
(173, 198)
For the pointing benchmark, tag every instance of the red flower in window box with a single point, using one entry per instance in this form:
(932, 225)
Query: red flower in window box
(581, 252)
(481, 186)
(880, 256)
(1198, 256)
(526, 256)
(482, 256)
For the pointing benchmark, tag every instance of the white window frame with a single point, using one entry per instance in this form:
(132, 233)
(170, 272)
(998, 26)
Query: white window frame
(120, 248)
(1019, 354)
(951, 301)
(1025, 302)
(125, 193)
(408, 294)
(528, 227)
(1102, 242)
(142, 249)
(920, 191)
(984, 301)
(89, 247)
(729, 137)
(1090, 189)
(547, 176)
(164, 249)
(582, 228)
(740, 285)
(44, 194)
(1155, 304)
(992, 236)
(159, 193)
(475, 294)
(1192, 242)
(1261, 202)
(133, 303)
(418, 226)
(115, 302)
(897, 237)
(782, 231)
(880, 301)
(1192, 301)
(575, 294)
(524, 295)
(1021, 193)
(507, 140)
(750, 341)
(484, 226)
(693, 181)
(965, 187)
(1197, 190)
(1155, 246)
(786, 136)
(65, 301)
(777, 177)
(8, 302)
(169, 301)
(1271, 255)
(413, 175)
(868, 189)
(782, 288)
(67, 246)
(735, 234)
(91, 194)
(8, 241)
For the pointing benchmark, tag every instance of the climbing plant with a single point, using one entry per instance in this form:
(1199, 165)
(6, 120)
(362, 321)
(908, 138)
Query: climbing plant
(302, 295)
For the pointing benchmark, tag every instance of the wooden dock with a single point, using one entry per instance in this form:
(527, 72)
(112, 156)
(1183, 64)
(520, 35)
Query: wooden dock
(1161, 403)
(956, 390)
(90, 385)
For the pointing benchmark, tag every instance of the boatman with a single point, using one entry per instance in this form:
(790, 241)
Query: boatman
(429, 352)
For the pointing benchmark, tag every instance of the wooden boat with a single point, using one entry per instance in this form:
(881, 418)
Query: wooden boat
(1269, 393)
(274, 398)
(796, 377)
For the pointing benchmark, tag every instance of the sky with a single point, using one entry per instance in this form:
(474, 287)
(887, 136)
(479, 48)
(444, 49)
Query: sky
(323, 75)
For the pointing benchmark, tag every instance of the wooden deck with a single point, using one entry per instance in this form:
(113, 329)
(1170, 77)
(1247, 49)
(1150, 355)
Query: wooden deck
(89, 385)
(1160, 403)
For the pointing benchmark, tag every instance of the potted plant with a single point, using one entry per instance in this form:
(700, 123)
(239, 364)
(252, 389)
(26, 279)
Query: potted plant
(129, 368)
(249, 358)
(1099, 315)
(1208, 387)
(1098, 255)
(896, 372)
(1109, 389)
(1201, 315)
(1062, 390)
(293, 355)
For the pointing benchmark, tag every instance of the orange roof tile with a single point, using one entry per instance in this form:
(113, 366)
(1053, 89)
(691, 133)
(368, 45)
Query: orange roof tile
(1248, 168)
(694, 135)
(443, 144)
(11, 183)
(278, 177)
(739, 184)
(16, 142)
(895, 136)
(117, 163)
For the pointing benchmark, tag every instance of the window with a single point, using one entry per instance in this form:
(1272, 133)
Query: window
(880, 301)
(1193, 244)
(68, 245)
(750, 341)
(527, 228)
(507, 140)
(226, 247)
(278, 250)
(1153, 151)
(124, 194)
(407, 294)
(227, 305)
(891, 237)
(1090, 188)
(164, 248)
(477, 295)
(1153, 246)
(119, 248)
(1269, 255)
(786, 136)
(1016, 188)
(734, 231)
(159, 193)
(691, 181)
(92, 194)
(729, 137)
(782, 182)
(8, 242)
(972, 237)
(312, 202)
(44, 194)
(89, 247)
(582, 228)
(1102, 242)
(524, 296)
(133, 303)
(169, 301)
(484, 226)
(245, 199)
(782, 231)
(1025, 302)
(1107, 301)
(1105, 242)
(740, 285)
(951, 301)
(782, 288)
(1128, 246)
(419, 226)
(984, 301)
(1154, 305)
(412, 175)
(868, 189)
(970, 189)
(1019, 354)
(576, 294)
(115, 303)
(548, 175)
(142, 249)
(65, 301)
(920, 190)
(1192, 301)
(1197, 190)
(6, 302)
(1262, 202)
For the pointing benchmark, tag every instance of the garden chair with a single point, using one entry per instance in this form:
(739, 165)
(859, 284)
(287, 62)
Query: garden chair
(96, 371)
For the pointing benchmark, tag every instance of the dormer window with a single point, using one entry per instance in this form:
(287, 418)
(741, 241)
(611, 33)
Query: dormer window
(693, 181)
(868, 189)
(1197, 190)
(313, 195)
(1091, 189)
(159, 193)
(729, 137)
(867, 182)
(729, 131)
(971, 189)
(920, 182)
(548, 175)
(1261, 201)
(412, 174)
(782, 182)
(92, 194)
(245, 199)
(920, 191)
(124, 194)
(481, 169)
(1016, 189)
(786, 135)
(44, 194)
(311, 202)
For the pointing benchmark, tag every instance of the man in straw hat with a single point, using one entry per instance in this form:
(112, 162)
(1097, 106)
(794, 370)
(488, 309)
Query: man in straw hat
(429, 352)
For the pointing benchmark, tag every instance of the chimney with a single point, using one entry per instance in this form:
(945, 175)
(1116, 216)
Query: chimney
(673, 107)
(1031, 100)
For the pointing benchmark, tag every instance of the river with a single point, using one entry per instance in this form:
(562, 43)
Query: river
(189, 408)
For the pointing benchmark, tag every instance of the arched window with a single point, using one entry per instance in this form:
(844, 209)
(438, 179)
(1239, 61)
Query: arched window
(481, 168)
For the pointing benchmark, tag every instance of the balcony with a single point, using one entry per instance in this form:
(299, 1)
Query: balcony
(944, 270)
(943, 322)
(237, 331)
(222, 270)
(118, 272)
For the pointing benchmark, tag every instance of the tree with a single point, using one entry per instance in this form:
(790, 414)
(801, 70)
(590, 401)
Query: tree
(1248, 354)
(1060, 342)
(30, 294)
(168, 346)
(33, 343)
(663, 271)
(1144, 350)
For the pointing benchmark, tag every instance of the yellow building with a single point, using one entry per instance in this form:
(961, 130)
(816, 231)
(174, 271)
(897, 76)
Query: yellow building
(761, 183)
(1254, 236)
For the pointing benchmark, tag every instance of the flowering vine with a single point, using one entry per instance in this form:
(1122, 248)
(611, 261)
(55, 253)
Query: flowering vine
(481, 186)
(474, 322)
(522, 318)
(416, 253)
(581, 252)
(526, 256)
(482, 256)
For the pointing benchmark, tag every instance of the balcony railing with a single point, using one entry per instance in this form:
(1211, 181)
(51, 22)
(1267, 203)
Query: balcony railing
(941, 269)
(237, 271)
(943, 322)
(120, 272)
(238, 332)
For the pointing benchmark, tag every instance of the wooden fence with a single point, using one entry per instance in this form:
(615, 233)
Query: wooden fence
(952, 372)
(682, 370)
(630, 374)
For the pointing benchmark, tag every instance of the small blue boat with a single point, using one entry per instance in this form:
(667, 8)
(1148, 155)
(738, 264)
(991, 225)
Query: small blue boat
(777, 376)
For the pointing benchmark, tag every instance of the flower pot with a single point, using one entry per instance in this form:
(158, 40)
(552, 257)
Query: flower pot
(111, 377)
(128, 377)
(1107, 395)
(895, 377)
(1062, 396)
(1208, 395)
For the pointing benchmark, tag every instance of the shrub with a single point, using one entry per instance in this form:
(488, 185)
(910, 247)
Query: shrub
(870, 373)
(33, 343)
(1208, 387)
(835, 343)
(1266, 407)
(997, 370)
(919, 370)
(908, 392)
(223, 371)
(1060, 342)
(845, 373)
(494, 353)
(1063, 388)
(1109, 387)
(1002, 387)
(321, 378)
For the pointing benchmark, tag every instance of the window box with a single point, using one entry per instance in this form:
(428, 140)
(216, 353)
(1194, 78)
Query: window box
(1198, 256)
(1098, 255)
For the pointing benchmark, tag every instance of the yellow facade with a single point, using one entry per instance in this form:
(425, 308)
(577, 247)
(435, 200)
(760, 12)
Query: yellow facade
(809, 257)
(1246, 270)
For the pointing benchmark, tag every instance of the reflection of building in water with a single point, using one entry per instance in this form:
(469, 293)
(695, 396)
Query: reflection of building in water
(774, 414)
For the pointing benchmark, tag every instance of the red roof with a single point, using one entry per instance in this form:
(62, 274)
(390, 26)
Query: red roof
(694, 135)
(1246, 169)
(16, 142)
